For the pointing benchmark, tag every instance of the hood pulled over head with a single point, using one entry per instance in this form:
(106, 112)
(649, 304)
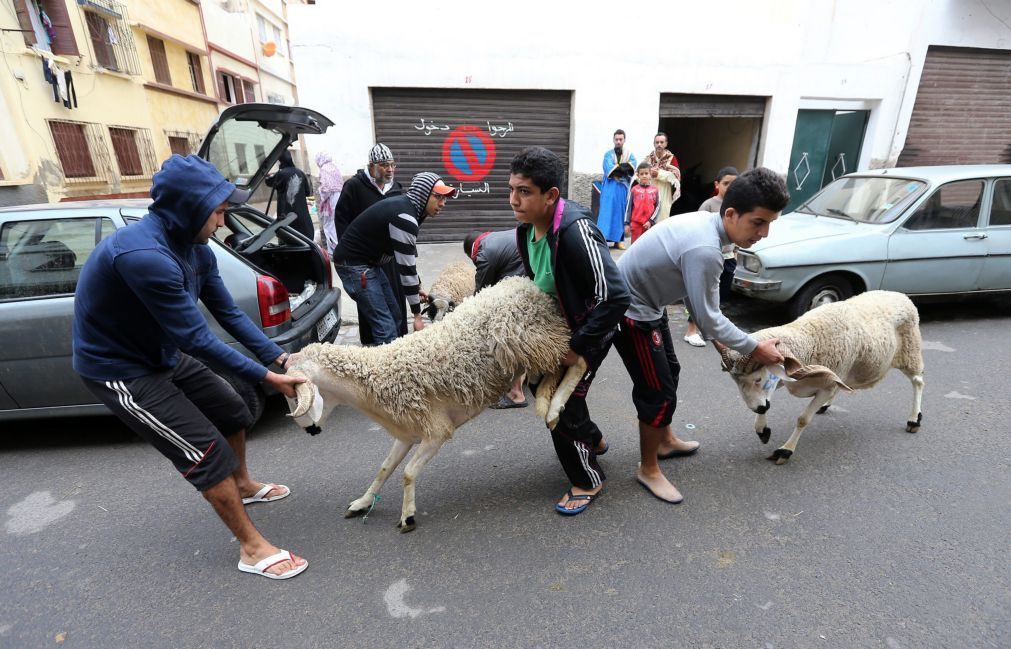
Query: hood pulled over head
(185, 191)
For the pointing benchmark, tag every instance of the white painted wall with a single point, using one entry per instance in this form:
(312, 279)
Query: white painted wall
(618, 58)
(232, 30)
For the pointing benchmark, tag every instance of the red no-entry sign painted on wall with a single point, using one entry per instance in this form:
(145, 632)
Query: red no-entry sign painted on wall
(468, 153)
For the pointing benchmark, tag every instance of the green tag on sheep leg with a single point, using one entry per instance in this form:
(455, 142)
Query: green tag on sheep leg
(375, 499)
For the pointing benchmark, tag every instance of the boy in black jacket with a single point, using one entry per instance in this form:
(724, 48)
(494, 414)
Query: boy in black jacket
(566, 256)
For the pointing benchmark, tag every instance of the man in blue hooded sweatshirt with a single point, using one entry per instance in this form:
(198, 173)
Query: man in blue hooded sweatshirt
(137, 327)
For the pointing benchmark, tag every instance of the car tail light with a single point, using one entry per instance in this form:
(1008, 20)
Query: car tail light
(327, 269)
(273, 299)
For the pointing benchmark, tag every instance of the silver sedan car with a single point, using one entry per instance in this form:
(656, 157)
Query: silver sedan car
(918, 230)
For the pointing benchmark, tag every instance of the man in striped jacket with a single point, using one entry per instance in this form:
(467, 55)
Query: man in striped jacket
(388, 230)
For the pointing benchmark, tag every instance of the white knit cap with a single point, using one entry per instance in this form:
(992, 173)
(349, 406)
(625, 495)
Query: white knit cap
(380, 153)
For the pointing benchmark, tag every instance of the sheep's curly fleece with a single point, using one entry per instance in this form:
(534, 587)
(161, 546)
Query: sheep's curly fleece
(455, 283)
(858, 339)
(469, 358)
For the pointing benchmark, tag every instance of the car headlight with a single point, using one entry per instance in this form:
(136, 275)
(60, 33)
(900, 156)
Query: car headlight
(750, 262)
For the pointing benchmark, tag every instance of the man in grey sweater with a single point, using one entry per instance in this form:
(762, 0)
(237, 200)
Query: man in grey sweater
(680, 259)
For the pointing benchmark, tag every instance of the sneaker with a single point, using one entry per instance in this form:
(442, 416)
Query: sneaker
(695, 340)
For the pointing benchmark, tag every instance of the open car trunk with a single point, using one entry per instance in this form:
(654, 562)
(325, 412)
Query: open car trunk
(244, 144)
(280, 252)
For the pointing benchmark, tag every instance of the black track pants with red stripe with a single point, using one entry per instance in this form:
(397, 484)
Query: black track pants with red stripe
(647, 350)
(576, 436)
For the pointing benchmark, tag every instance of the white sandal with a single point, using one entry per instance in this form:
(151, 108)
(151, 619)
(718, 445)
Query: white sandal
(261, 567)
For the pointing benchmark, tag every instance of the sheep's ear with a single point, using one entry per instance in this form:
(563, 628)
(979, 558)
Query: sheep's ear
(780, 371)
(817, 371)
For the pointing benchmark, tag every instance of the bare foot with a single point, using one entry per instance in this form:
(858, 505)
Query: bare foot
(674, 447)
(578, 491)
(658, 485)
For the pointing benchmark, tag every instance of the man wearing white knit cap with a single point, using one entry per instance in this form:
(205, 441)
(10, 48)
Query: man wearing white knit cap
(361, 191)
(388, 231)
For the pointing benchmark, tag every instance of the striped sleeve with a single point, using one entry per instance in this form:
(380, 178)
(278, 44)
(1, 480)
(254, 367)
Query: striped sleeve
(604, 290)
(404, 237)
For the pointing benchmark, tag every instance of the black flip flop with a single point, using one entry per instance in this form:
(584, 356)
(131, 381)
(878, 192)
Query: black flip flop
(504, 403)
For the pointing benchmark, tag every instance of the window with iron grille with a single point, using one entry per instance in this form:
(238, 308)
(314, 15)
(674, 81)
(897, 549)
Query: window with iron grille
(180, 145)
(111, 36)
(81, 149)
(196, 72)
(249, 90)
(183, 142)
(133, 149)
(159, 60)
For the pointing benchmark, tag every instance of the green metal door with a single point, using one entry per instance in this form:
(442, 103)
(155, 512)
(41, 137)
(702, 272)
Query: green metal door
(826, 145)
(844, 147)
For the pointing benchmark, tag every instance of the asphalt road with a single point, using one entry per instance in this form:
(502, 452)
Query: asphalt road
(868, 537)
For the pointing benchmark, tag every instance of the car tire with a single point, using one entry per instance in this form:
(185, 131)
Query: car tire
(821, 290)
(252, 394)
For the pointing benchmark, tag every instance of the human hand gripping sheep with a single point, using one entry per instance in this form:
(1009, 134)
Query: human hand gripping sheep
(422, 387)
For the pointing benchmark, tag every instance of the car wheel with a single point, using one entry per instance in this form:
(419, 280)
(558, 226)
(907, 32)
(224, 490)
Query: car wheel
(251, 393)
(822, 290)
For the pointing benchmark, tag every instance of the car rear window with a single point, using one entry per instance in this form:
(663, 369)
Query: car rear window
(43, 258)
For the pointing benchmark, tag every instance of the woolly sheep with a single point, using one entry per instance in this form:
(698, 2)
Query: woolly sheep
(453, 285)
(424, 386)
(847, 345)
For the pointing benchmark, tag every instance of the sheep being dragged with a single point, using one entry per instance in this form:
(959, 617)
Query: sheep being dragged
(453, 285)
(422, 387)
(847, 345)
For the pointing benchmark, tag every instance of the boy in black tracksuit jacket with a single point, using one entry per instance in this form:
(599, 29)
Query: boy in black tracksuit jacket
(566, 256)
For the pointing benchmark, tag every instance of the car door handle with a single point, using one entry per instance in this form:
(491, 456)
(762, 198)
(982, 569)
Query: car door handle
(978, 235)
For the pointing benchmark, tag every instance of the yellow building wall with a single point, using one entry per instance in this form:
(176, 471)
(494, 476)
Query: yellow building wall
(179, 19)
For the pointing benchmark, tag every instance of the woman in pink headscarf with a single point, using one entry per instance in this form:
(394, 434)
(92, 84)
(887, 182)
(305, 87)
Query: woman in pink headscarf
(329, 190)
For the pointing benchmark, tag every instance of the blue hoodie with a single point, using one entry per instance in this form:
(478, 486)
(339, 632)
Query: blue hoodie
(135, 306)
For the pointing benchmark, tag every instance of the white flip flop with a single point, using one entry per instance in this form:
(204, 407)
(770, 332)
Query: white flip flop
(261, 567)
(261, 495)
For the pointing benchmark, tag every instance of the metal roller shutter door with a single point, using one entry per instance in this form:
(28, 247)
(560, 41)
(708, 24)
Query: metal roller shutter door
(684, 105)
(962, 113)
(469, 137)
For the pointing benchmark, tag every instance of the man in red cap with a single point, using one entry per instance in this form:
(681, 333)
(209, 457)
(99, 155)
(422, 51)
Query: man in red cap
(389, 230)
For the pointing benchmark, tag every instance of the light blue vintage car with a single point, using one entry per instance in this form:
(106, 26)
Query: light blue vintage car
(916, 230)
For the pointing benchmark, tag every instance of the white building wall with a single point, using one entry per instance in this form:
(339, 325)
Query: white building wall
(617, 59)
(230, 26)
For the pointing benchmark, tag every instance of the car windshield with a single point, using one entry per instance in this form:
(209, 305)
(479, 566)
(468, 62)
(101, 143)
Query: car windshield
(240, 147)
(867, 200)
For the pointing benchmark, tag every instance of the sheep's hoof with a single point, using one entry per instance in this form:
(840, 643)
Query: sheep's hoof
(352, 513)
(406, 526)
(552, 423)
(914, 426)
(780, 455)
(765, 435)
(823, 409)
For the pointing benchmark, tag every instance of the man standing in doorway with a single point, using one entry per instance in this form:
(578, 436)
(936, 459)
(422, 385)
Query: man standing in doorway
(663, 168)
(367, 187)
(619, 167)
